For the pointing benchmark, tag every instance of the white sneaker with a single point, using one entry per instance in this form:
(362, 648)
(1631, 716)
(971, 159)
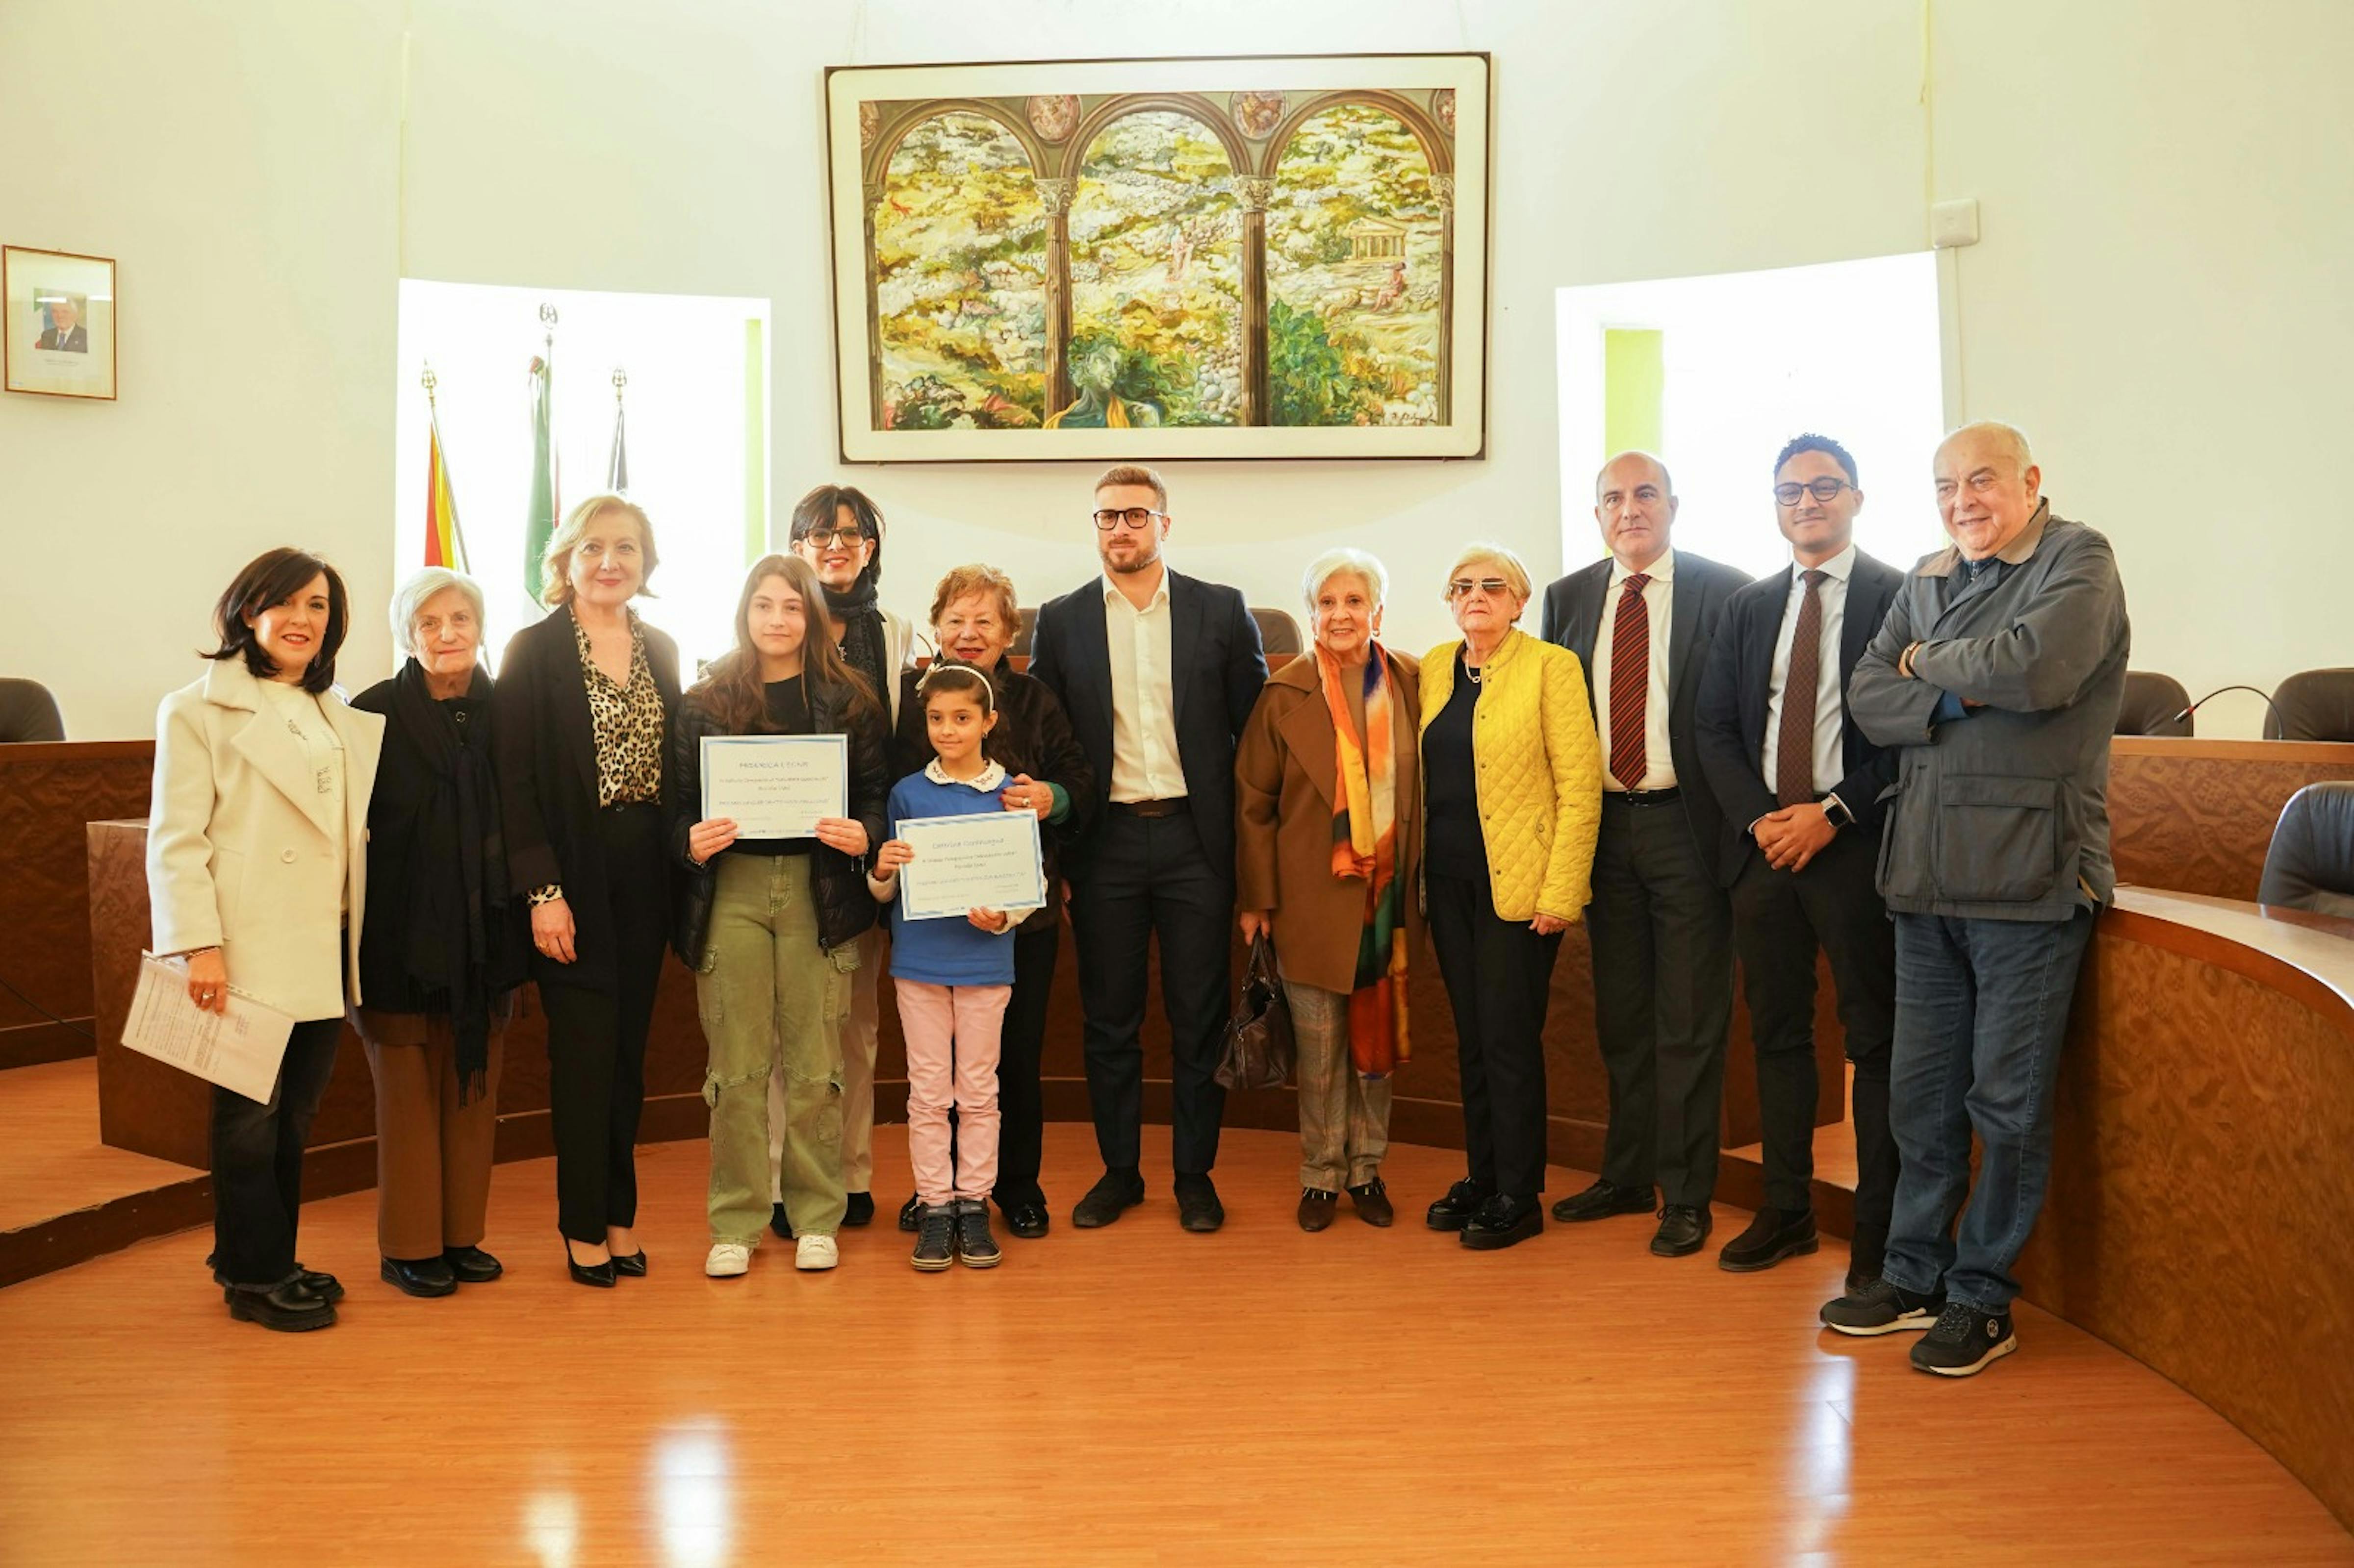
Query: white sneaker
(727, 1259)
(813, 1253)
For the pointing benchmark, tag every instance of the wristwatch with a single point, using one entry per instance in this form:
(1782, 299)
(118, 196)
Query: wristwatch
(1835, 813)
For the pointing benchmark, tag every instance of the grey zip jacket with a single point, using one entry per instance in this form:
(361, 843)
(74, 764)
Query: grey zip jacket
(2001, 812)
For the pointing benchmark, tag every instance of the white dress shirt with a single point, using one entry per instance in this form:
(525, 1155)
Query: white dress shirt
(1144, 761)
(1658, 601)
(1828, 716)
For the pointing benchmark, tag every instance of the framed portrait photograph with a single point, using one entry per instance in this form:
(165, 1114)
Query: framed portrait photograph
(1275, 256)
(58, 336)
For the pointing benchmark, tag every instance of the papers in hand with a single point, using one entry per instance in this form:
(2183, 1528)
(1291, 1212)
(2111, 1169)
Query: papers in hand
(986, 860)
(240, 1050)
(776, 786)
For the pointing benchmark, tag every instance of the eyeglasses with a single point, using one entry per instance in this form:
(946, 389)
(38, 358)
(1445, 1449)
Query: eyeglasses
(1494, 587)
(1820, 489)
(822, 536)
(1138, 517)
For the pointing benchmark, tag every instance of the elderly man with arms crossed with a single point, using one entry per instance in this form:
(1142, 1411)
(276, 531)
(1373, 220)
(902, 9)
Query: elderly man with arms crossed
(1996, 678)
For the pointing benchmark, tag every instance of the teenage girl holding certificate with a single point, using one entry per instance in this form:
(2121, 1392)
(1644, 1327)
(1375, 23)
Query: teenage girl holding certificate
(953, 979)
(770, 926)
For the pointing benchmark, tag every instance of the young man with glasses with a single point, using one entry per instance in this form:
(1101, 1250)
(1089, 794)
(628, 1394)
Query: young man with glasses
(1802, 787)
(1159, 673)
(1640, 620)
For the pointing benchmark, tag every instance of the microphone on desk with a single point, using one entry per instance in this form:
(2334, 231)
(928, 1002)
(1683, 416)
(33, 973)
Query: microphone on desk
(2278, 722)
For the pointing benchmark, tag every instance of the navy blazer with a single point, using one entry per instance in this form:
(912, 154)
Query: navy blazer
(74, 342)
(1573, 618)
(1737, 691)
(1217, 669)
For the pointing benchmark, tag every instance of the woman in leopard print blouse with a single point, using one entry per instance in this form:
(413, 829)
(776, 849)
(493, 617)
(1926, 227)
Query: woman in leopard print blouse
(583, 702)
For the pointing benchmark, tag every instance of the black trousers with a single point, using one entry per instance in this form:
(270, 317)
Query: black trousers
(1499, 976)
(1021, 1104)
(1148, 879)
(1661, 930)
(597, 1026)
(256, 1159)
(1778, 921)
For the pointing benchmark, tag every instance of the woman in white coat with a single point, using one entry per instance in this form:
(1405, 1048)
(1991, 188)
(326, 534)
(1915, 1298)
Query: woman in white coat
(257, 873)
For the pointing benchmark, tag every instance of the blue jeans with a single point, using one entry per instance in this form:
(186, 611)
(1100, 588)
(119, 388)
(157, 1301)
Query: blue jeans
(1981, 1009)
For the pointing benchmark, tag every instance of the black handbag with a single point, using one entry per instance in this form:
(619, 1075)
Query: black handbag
(1259, 1052)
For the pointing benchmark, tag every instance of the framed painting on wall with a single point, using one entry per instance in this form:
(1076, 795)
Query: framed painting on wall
(58, 333)
(1279, 257)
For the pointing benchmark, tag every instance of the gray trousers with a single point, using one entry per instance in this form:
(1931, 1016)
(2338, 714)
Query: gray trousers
(1662, 935)
(1344, 1119)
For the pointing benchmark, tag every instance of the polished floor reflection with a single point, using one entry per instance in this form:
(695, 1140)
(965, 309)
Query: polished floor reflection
(1130, 1396)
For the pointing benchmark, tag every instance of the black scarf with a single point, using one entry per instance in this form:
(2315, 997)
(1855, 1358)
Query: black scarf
(862, 631)
(457, 885)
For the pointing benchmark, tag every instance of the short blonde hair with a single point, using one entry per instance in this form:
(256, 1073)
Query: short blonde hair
(1134, 473)
(1516, 576)
(413, 594)
(977, 578)
(556, 561)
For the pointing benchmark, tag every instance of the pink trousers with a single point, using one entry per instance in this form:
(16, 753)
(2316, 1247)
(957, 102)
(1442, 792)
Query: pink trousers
(952, 1034)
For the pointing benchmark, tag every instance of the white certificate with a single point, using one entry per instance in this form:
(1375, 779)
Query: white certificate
(240, 1049)
(776, 786)
(987, 860)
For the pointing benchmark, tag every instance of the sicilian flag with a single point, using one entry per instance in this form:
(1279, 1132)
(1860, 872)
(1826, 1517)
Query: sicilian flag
(445, 545)
(539, 525)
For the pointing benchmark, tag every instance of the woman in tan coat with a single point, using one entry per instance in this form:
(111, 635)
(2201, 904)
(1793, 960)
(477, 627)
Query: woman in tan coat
(1328, 838)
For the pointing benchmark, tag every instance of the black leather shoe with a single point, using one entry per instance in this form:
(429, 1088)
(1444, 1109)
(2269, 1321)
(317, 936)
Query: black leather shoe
(290, 1309)
(1453, 1212)
(604, 1275)
(634, 1266)
(1773, 1236)
(326, 1286)
(1115, 1192)
(1503, 1222)
(1198, 1209)
(425, 1277)
(860, 1210)
(471, 1264)
(1682, 1228)
(911, 1212)
(782, 1227)
(1603, 1199)
(1028, 1220)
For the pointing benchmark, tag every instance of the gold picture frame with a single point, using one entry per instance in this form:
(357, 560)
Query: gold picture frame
(59, 316)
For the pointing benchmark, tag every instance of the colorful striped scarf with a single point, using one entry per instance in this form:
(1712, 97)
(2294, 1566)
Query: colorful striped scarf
(1364, 844)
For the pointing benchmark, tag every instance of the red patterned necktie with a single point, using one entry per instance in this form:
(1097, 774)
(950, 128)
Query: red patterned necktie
(1794, 748)
(1631, 685)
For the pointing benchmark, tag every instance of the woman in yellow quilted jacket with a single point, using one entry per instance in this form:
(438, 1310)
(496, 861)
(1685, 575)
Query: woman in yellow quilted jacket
(1512, 795)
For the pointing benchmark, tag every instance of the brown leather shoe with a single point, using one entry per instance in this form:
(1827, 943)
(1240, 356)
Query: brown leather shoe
(1372, 1200)
(1316, 1207)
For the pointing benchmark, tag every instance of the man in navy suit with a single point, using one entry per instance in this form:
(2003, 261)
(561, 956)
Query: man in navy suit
(1801, 788)
(1159, 673)
(66, 335)
(1639, 620)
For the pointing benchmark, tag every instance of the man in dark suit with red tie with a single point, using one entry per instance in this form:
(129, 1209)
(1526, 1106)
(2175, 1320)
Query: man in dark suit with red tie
(1800, 788)
(1639, 620)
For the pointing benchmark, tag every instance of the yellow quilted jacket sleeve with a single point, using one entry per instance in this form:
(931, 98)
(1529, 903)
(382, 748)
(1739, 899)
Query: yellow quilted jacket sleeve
(1575, 757)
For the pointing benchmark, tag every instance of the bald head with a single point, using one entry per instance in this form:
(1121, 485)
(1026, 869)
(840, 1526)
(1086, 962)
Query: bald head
(1988, 486)
(1635, 503)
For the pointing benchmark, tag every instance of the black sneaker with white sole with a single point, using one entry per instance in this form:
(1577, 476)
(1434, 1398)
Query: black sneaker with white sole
(975, 1247)
(1964, 1342)
(1881, 1308)
(935, 1237)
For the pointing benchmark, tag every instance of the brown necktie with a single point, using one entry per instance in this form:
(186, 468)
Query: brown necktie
(1794, 750)
(1631, 685)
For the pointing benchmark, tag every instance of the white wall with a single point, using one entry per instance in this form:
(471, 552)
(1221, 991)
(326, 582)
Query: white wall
(2164, 187)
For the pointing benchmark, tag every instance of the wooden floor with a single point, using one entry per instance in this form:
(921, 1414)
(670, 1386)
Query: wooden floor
(50, 1159)
(1131, 1396)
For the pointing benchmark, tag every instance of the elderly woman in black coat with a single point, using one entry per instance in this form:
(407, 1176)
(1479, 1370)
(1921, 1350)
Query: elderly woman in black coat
(441, 942)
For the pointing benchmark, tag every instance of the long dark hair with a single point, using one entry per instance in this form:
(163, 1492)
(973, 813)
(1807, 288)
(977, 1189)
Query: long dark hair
(731, 690)
(270, 578)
